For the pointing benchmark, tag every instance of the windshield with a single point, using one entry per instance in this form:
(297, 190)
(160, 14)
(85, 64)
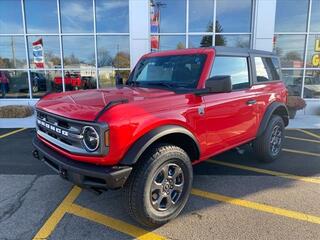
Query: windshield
(178, 71)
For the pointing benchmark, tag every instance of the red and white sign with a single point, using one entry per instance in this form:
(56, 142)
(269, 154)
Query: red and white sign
(38, 55)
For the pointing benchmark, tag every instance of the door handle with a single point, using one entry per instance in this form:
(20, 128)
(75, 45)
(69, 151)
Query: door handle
(251, 102)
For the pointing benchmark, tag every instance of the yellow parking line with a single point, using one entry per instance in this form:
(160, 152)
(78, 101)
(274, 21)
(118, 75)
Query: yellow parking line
(257, 206)
(303, 139)
(301, 152)
(67, 206)
(113, 223)
(11, 133)
(269, 172)
(309, 133)
(57, 215)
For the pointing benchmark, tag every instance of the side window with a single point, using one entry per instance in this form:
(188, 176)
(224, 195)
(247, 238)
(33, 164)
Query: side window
(267, 69)
(235, 67)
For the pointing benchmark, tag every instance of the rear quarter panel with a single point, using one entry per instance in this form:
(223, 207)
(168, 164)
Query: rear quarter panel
(268, 93)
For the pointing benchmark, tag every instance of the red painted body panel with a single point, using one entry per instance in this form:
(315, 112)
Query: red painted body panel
(227, 120)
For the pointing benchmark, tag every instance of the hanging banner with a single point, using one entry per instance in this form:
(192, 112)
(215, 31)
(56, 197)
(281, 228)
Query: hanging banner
(38, 55)
(155, 25)
(154, 43)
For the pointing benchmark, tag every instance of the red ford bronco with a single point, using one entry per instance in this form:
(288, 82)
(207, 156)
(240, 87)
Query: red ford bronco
(177, 108)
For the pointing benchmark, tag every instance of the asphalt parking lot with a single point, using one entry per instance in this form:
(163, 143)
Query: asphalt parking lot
(233, 197)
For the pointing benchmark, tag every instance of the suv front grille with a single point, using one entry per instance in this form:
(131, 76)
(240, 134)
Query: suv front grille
(67, 133)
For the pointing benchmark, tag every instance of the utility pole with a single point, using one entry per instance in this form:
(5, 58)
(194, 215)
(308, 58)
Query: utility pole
(13, 48)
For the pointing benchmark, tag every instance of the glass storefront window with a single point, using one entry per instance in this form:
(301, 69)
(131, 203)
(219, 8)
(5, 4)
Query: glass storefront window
(42, 81)
(234, 16)
(312, 84)
(196, 41)
(14, 84)
(200, 15)
(167, 42)
(290, 48)
(41, 16)
(108, 75)
(76, 16)
(113, 51)
(291, 15)
(78, 51)
(76, 79)
(315, 16)
(242, 41)
(51, 51)
(10, 16)
(112, 16)
(12, 52)
(168, 16)
(293, 81)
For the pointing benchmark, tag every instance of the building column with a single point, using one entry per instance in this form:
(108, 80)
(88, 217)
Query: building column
(264, 24)
(139, 29)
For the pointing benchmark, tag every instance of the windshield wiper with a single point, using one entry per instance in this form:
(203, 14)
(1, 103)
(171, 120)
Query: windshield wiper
(165, 84)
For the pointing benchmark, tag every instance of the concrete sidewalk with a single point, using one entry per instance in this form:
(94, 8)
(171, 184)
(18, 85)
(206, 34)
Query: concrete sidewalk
(28, 122)
(300, 121)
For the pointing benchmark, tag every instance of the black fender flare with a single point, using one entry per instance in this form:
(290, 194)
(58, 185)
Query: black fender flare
(275, 107)
(138, 148)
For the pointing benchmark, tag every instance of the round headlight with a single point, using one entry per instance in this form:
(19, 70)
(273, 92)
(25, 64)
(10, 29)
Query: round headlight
(90, 139)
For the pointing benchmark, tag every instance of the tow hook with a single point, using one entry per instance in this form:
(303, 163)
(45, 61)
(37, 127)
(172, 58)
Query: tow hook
(35, 154)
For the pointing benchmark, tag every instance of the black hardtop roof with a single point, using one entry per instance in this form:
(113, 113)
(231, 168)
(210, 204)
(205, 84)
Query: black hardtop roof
(241, 51)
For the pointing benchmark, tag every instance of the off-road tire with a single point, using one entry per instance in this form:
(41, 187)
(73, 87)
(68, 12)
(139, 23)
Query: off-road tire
(262, 144)
(137, 191)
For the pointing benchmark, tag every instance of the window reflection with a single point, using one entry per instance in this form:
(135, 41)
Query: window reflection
(41, 16)
(290, 48)
(43, 82)
(112, 16)
(234, 16)
(200, 15)
(197, 41)
(293, 81)
(113, 51)
(51, 51)
(78, 51)
(315, 16)
(167, 42)
(168, 16)
(76, 16)
(76, 79)
(10, 16)
(108, 76)
(235, 67)
(291, 16)
(14, 84)
(241, 41)
(12, 52)
(312, 84)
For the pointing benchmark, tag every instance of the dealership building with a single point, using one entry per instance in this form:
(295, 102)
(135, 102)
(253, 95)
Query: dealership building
(66, 45)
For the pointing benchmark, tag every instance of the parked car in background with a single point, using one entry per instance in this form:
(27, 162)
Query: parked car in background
(72, 82)
(19, 83)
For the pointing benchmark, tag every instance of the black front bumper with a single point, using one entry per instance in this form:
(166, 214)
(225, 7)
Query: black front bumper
(82, 174)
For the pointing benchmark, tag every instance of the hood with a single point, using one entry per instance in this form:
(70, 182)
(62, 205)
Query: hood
(85, 105)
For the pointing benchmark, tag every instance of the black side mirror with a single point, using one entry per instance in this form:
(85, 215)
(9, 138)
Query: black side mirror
(216, 84)
(219, 84)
